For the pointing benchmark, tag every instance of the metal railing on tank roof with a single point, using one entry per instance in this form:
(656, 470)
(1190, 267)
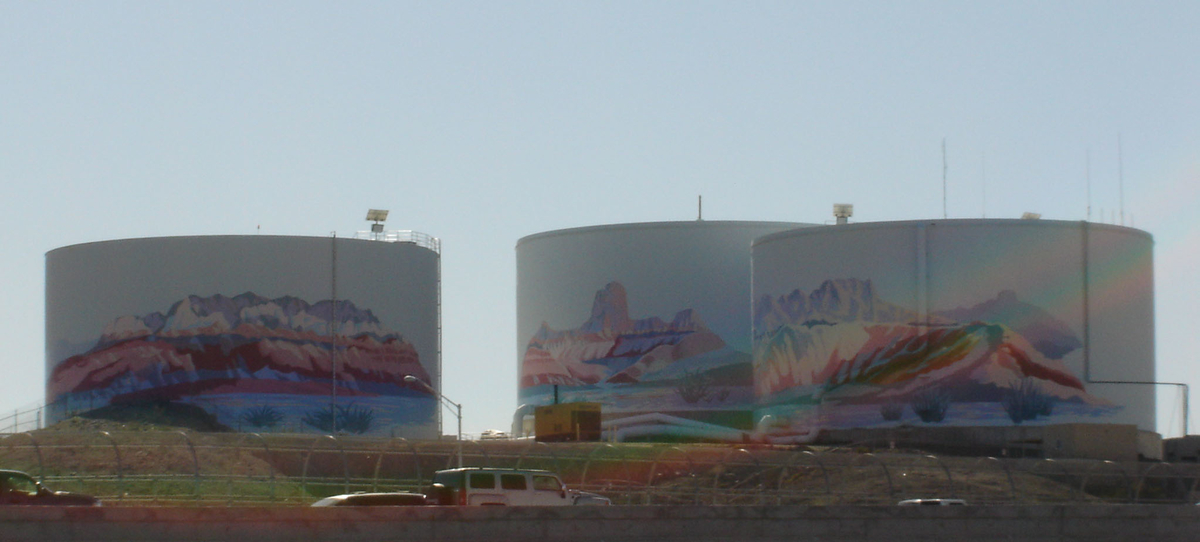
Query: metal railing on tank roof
(423, 240)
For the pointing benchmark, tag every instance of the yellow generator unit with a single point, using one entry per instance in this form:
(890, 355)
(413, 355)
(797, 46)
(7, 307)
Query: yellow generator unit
(567, 422)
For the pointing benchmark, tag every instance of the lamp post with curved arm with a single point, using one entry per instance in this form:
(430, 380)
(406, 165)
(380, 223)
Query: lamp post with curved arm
(457, 409)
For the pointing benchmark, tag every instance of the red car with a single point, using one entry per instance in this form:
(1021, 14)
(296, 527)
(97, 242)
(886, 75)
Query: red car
(18, 488)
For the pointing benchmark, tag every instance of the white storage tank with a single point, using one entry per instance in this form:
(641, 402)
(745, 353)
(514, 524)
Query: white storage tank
(652, 320)
(953, 322)
(250, 333)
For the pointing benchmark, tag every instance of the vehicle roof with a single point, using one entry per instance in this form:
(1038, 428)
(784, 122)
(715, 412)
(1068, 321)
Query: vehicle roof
(398, 496)
(10, 471)
(933, 501)
(495, 469)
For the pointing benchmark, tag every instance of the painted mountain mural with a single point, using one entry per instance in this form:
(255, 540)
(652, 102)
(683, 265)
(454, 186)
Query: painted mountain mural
(647, 365)
(246, 344)
(841, 344)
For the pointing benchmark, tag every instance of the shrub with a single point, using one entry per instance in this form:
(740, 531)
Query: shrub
(694, 387)
(350, 419)
(1024, 400)
(321, 420)
(931, 405)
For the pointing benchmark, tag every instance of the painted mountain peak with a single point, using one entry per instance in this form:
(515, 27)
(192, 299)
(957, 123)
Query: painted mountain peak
(846, 300)
(845, 344)
(219, 313)
(610, 312)
(612, 348)
(854, 300)
(1049, 335)
(241, 344)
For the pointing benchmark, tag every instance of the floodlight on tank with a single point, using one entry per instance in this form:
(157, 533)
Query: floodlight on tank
(843, 211)
(378, 216)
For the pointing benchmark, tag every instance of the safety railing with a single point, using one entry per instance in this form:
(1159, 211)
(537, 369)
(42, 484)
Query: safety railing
(423, 240)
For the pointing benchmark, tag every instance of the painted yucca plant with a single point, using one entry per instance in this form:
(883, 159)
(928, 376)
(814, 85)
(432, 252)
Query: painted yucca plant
(262, 416)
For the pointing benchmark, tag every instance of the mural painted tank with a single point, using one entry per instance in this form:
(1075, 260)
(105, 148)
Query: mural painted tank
(247, 332)
(953, 322)
(646, 319)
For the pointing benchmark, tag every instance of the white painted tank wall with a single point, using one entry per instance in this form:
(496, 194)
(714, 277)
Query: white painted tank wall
(239, 326)
(864, 325)
(644, 318)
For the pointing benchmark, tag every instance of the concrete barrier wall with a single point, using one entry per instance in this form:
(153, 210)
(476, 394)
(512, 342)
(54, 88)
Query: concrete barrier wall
(1161, 523)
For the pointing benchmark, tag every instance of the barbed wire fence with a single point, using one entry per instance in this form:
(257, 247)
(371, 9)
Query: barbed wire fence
(238, 469)
(22, 419)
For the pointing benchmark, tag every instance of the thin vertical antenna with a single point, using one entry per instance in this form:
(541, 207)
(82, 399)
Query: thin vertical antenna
(1120, 179)
(333, 333)
(944, 167)
(983, 175)
(700, 207)
(1087, 168)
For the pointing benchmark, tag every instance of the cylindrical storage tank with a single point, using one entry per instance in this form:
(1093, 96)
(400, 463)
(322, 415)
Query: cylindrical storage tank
(651, 320)
(249, 333)
(954, 322)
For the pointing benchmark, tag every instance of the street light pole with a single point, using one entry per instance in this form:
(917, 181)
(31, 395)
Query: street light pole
(458, 413)
(445, 401)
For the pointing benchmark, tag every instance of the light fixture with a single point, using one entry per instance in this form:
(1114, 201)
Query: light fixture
(445, 401)
(843, 211)
(378, 216)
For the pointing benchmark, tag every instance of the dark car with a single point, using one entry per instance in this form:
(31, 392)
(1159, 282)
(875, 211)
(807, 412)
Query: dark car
(18, 488)
(373, 499)
(932, 502)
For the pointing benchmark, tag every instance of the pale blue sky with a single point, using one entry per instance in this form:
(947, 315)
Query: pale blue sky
(483, 122)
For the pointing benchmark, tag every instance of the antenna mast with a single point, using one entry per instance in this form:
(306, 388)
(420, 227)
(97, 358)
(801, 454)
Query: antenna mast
(1087, 168)
(333, 375)
(983, 174)
(1120, 179)
(944, 167)
(699, 207)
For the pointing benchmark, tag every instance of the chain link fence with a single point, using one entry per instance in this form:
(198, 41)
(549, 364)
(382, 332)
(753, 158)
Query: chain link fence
(236, 469)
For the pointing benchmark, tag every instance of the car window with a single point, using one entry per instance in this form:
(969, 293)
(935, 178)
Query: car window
(512, 481)
(22, 484)
(482, 480)
(449, 479)
(546, 483)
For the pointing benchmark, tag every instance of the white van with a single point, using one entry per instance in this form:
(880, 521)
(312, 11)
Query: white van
(480, 486)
